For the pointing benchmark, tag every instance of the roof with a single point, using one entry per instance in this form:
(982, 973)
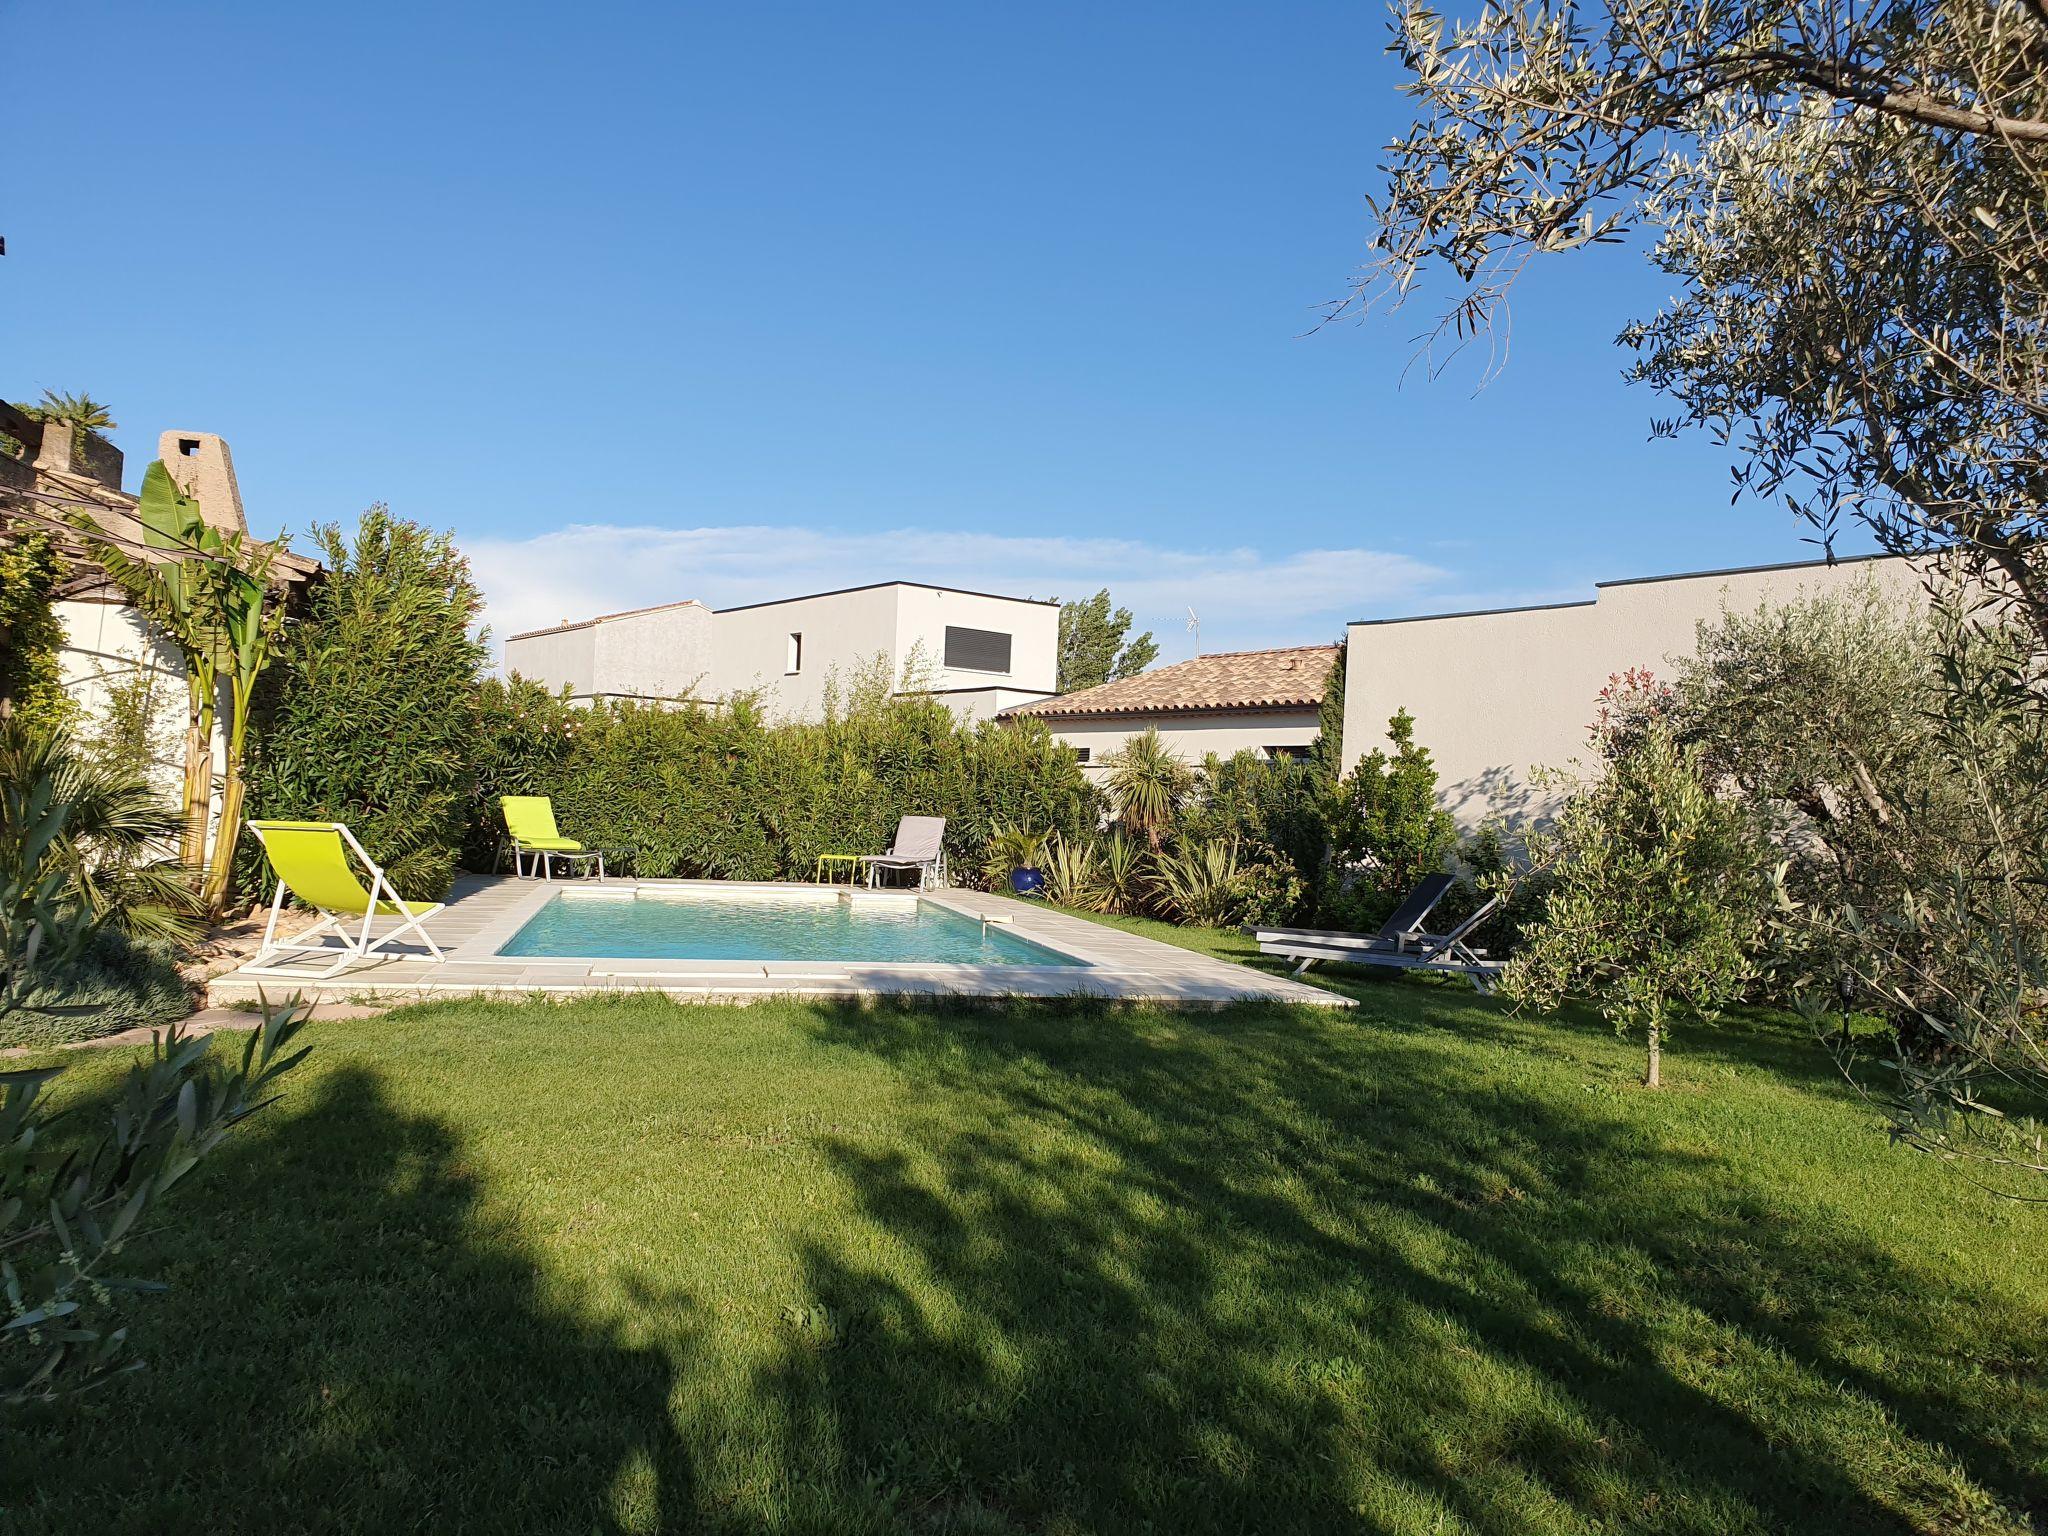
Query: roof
(1293, 677)
(604, 618)
(1636, 581)
(690, 602)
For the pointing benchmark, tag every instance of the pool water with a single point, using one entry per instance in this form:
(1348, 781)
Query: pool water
(647, 926)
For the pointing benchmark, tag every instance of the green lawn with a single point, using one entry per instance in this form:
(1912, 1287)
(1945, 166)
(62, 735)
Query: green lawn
(1419, 1267)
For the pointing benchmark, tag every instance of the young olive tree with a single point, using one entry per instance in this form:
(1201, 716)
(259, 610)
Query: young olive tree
(1657, 901)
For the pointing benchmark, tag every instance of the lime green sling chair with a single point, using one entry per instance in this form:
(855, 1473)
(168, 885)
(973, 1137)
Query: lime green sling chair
(311, 860)
(530, 823)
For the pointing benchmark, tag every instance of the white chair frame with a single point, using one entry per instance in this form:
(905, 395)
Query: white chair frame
(354, 947)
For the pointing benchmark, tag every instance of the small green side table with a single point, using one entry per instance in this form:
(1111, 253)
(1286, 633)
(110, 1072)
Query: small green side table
(821, 872)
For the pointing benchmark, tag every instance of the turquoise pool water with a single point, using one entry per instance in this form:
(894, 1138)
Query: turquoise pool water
(648, 927)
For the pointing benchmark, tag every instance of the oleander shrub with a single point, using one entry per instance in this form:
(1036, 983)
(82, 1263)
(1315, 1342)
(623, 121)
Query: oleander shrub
(720, 792)
(373, 701)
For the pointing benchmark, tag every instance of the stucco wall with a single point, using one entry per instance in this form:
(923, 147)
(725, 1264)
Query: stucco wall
(1495, 694)
(843, 631)
(663, 653)
(1191, 736)
(557, 658)
(923, 613)
(111, 645)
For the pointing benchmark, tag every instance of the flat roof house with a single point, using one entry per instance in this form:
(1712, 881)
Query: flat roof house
(1499, 692)
(1263, 701)
(978, 652)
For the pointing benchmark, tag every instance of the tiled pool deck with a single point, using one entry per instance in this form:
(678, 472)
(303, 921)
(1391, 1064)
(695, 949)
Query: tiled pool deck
(486, 911)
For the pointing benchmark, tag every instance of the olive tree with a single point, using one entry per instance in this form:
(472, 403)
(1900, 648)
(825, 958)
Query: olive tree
(1851, 202)
(1657, 901)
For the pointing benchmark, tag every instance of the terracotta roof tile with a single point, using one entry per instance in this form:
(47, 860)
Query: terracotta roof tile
(1292, 678)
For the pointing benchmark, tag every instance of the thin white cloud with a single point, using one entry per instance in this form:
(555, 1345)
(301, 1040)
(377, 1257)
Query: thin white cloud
(1245, 597)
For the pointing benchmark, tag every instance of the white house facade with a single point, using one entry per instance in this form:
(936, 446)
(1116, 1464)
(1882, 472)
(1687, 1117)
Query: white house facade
(978, 652)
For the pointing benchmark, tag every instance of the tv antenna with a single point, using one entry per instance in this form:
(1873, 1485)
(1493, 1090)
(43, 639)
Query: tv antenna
(1195, 629)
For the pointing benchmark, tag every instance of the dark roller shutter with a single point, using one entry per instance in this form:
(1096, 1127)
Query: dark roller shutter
(977, 650)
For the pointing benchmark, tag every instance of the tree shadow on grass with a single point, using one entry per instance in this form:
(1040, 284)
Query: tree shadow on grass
(1233, 1274)
(354, 1342)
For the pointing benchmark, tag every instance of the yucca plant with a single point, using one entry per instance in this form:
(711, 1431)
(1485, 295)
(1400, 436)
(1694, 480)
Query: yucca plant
(1147, 783)
(1121, 870)
(1199, 883)
(1073, 875)
(209, 590)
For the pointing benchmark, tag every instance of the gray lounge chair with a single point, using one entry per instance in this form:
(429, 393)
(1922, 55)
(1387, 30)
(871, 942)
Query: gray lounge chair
(1402, 943)
(920, 845)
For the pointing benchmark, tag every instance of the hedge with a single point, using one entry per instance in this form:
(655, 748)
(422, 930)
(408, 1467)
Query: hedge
(721, 793)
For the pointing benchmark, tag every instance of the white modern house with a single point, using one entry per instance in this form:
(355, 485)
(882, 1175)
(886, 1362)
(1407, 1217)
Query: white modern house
(979, 652)
(1498, 692)
(1268, 702)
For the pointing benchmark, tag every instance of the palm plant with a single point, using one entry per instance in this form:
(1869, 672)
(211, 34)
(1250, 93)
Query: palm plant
(1147, 783)
(1200, 883)
(81, 849)
(1011, 848)
(80, 410)
(209, 590)
(81, 413)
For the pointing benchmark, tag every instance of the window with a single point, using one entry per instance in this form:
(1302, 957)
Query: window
(1081, 754)
(1277, 753)
(188, 447)
(796, 653)
(977, 650)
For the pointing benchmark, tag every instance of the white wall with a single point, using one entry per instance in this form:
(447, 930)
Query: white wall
(556, 658)
(665, 652)
(1496, 694)
(922, 614)
(662, 653)
(843, 631)
(1191, 736)
(110, 644)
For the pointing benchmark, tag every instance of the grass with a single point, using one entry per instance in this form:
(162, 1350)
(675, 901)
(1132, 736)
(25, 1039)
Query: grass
(634, 1266)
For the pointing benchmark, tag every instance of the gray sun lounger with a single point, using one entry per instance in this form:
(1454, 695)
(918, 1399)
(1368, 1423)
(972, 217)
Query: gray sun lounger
(920, 845)
(1402, 943)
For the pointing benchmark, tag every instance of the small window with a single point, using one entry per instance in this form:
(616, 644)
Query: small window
(1081, 754)
(796, 654)
(188, 447)
(1294, 753)
(977, 650)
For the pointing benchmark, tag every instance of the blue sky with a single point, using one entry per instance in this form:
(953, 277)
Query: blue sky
(731, 302)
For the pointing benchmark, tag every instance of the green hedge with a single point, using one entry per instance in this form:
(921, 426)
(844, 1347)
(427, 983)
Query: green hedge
(372, 699)
(722, 793)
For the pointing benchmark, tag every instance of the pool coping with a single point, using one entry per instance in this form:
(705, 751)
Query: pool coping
(486, 911)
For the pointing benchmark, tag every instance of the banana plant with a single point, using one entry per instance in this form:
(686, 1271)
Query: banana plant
(209, 590)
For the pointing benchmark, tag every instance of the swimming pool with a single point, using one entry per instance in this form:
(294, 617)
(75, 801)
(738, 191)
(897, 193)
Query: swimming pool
(667, 925)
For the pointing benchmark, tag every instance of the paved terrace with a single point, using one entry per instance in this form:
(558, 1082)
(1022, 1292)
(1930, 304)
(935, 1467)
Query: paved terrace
(485, 912)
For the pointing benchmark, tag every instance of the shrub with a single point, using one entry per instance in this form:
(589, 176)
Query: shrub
(1388, 830)
(1279, 811)
(1073, 875)
(1200, 883)
(1658, 897)
(115, 982)
(31, 683)
(373, 721)
(721, 793)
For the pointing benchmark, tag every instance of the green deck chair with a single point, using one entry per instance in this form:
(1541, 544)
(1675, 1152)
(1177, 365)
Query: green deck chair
(311, 860)
(530, 823)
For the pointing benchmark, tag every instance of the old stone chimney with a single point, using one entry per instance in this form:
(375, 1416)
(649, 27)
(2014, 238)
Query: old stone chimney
(201, 466)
